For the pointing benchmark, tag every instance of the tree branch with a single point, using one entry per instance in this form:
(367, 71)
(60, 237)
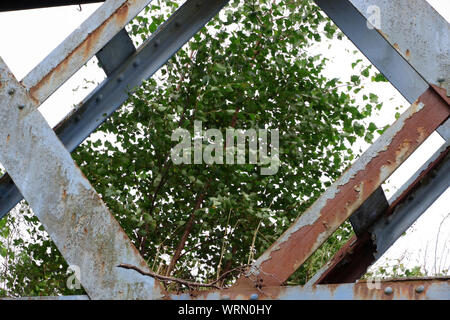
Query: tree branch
(189, 284)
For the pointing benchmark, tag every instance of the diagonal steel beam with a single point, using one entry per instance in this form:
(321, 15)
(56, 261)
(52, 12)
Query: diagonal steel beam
(411, 46)
(71, 211)
(35, 4)
(351, 262)
(81, 45)
(389, 289)
(347, 194)
(116, 52)
(114, 91)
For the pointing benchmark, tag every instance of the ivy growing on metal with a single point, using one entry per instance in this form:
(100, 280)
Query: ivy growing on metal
(414, 57)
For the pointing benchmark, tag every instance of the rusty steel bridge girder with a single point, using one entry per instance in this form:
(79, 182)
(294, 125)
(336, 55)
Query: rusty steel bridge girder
(93, 240)
(350, 191)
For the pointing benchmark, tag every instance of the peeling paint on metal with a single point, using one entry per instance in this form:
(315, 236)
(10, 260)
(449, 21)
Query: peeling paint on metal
(71, 211)
(427, 44)
(341, 200)
(80, 46)
(404, 289)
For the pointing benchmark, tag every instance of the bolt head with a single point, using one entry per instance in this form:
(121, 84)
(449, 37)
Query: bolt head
(420, 289)
(388, 290)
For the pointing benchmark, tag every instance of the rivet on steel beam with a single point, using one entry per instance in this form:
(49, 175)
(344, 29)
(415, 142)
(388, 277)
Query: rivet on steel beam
(77, 118)
(157, 43)
(11, 92)
(177, 24)
(388, 290)
(99, 98)
(136, 63)
(254, 296)
(420, 289)
(198, 4)
(120, 78)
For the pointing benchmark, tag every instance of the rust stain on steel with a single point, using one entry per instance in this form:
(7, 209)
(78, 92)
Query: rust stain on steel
(118, 18)
(81, 45)
(337, 203)
(405, 289)
(351, 262)
(71, 211)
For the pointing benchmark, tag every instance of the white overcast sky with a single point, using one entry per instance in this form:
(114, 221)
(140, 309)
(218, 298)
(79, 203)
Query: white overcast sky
(26, 37)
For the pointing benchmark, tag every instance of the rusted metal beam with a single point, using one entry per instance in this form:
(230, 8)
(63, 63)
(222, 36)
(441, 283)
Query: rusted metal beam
(11, 5)
(62, 298)
(390, 289)
(406, 40)
(92, 35)
(116, 52)
(114, 90)
(69, 208)
(349, 192)
(415, 30)
(351, 262)
(369, 211)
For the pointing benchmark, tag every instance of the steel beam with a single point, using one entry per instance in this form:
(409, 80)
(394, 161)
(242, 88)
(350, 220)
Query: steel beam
(392, 289)
(73, 214)
(372, 44)
(62, 298)
(37, 4)
(114, 91)
(416, 31)
(411, 46)
(369, 211)
(407, 205)
(389, 289)
(81, 45)
(347, 194)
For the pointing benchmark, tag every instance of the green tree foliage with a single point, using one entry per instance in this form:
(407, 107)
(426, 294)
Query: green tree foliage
(250, 68)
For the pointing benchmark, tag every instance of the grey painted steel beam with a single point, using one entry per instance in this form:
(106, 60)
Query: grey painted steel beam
(62, 298)
(415, 30)
(10, 5)
(73, 214)
(81, 45)
(414, 198)
(388, 229)
(406, 40)
(390, 289)
(113, 92)
(375, 47)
